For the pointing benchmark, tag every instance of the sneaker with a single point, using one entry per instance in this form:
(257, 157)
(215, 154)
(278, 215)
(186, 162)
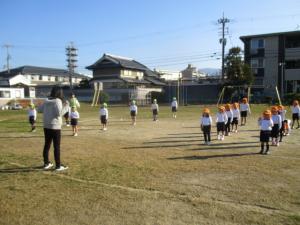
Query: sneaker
(104, 128)
(235, 131)
(61, 168)
(277, 144)
(68, 125)
(48, 166)
(208, 143)
(222, 138)
(75, 135)
(267, 153)
(219, 137)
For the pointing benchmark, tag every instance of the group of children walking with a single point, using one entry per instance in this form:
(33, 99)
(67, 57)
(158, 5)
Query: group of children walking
(227, 119)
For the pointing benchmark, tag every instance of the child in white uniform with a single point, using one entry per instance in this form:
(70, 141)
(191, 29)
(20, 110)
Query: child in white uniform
(295, 113)
(133, 112)
(266, 125)
(244, 108)
(174, 106)
(221, 120)
(32, 116)
(277, 123)
(155, 110)
(74, 115)
(236, 116)
(205, 123)
(229, 114)
(104, 116)
(284, 127)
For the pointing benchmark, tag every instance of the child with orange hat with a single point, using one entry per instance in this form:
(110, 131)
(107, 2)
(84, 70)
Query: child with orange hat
(229, 114)
(266, 123)
(277, 125)
(296, 113)
(236, 116)
(284, 126)
(205, 123)
(221, 120)
(244, 108)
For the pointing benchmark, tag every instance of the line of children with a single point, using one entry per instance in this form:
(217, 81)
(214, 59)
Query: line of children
(277, 123)
(103, 116)
(205, 123)
(229, 114)
(174, 107)
(32, 116)
(133, 112)
(221, 120)
(245, 109)
(295, 113)
(155, 110)
(236, 117)
(74, 115)
(266, 123)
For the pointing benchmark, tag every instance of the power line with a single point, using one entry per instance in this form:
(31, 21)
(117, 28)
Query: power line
(8, 57)
(223, 21)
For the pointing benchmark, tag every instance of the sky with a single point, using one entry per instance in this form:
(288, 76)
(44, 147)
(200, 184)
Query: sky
(162, 34)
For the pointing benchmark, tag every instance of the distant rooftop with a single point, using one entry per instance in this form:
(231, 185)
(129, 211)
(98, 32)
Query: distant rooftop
(38, 71)
(270, 34)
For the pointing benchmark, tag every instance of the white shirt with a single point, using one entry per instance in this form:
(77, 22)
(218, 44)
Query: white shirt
(277, 120)
(174, 104)
(32, 112)
(296, 109)
(245, 107)
(104, 112)
(206, 121)
(265, 124)
(282, 114)
(74, 115)
(229, 113)
(154, 106)
(221, 117)
(236, 113)
(133, 108)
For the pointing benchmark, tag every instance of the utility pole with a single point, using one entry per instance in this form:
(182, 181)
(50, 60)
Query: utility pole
(223, 40)
(71, 53)
(8, 57)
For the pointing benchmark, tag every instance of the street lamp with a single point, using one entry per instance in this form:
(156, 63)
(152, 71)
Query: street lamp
(282, 64)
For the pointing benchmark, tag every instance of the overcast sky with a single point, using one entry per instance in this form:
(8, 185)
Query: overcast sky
(165, 34)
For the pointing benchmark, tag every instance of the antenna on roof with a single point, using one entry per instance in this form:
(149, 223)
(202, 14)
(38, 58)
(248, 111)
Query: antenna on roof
(71, 53)
(8, 57)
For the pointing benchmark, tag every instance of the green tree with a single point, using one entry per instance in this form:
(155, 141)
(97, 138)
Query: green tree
(237, 71)
(84, 83)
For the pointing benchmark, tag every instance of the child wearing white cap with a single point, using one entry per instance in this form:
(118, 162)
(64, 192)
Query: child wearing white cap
(133, 112)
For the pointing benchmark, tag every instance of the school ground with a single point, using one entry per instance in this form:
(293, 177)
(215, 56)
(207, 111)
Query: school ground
(153, 173)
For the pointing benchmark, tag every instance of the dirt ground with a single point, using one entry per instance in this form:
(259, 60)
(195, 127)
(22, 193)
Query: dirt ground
(151, 173)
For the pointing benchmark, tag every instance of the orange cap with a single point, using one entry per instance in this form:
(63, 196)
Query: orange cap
(206, 110)
(267, 114)
(280, 107)
(228, 107)
(274, 109)
(222, 108)
(235, 105)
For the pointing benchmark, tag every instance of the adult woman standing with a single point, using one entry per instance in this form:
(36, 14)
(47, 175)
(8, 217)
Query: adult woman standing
(53, 110)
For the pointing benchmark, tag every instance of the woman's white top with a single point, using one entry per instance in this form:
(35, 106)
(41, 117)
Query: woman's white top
(277, 120)
(221, 117)
(265, 125)
(282, 114)
(104, 112)
(133, 108)
(74, 115)
(206, 121)
(154, 106)
(229, 113)
(244, 107)
(32, 112)
(296, 109)
(174, 104)
(236, 113)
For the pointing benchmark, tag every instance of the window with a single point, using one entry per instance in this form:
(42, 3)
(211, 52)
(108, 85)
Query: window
(257, 63)
(292, 64)
(4, 94)
(49, 78)
(56, 78)
(32, 77)
(40, 77)
(257, 43)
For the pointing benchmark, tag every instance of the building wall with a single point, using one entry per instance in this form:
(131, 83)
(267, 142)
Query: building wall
(271, 61)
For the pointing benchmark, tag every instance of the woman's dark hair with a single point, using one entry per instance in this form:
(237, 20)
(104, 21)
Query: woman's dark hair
(57, 92)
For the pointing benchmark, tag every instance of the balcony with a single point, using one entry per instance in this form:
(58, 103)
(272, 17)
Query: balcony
(292, 74)
(292, 53)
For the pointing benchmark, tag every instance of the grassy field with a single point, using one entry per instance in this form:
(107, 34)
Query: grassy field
(153, 173)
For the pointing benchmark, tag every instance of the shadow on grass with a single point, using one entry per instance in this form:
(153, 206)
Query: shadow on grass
(216, 147)
(20, 137)
(22, 169)
(212, 156)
